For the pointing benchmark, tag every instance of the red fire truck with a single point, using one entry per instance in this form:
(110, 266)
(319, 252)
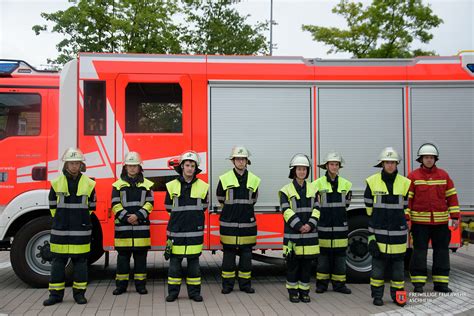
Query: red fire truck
(160, 106)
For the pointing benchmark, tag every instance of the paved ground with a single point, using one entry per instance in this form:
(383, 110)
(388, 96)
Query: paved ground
(270, 298)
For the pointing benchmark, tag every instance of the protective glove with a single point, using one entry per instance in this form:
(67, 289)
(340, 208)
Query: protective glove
(373, 247)
(167, 253)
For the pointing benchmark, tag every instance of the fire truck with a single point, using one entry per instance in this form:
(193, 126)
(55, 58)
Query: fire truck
(162, 105)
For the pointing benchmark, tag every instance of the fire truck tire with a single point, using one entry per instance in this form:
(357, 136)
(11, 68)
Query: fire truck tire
(29, 254)
(358, 260)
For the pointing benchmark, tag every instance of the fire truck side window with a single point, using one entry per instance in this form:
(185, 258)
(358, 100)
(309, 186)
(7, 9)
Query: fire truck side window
(20, 114)
(153, 108)
(94, 108)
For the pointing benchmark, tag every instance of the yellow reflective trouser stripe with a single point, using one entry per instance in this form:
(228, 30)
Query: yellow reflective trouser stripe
(397, 284)
(57, 286)
(306, 250)
(418, 278)
(174, 281)
(186, 250)
(193, 281)
(336, 243)
(245, 275)
(121, 277)
(238, 240)
(70, 249)
(322, 276)
(303, 286)
(130, 242)
(440, 278)
(79, 285)
(376, 282)
(392, 248)
(140, 276)
(228, 274)
(338, 277)
(291, 285)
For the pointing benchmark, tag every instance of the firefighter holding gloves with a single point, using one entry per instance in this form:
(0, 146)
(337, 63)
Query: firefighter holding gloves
(186, 201)
(334, 196)
(386, 201)
(71, 201)
(132, 203)
(300, 242)
(237, 192)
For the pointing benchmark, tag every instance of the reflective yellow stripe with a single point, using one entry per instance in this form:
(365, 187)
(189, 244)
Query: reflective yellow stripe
(376, 282)
(121, 277)
(174, 281)
(322, 276)
(306, 250)
(193, 281)
(338, 277)
(392, 248)
(303, 286)
(228, 274)
(316, 213)
(186, 250)
(245, 275)
(418, 278)
(291, 285)
(70, 249)
(53, 211)
(369, 210)
(79, 285)
(440, 278)
(238, 240)
(451, 192)
(130, 242)
(430, 182)
(453, 209)
(420, 219)
(411, 194)
(117, 208)
(57, 286)
(397, 284)
(140, 276)
(287, 214)
(148, 207)
(336, 243)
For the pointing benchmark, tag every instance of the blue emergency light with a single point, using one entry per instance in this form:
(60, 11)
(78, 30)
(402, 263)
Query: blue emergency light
(8, 67)
(470, 67)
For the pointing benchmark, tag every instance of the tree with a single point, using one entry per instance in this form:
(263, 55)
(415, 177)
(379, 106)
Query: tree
(384, 29)
(135, 26)
(148, 26)
(214, 27)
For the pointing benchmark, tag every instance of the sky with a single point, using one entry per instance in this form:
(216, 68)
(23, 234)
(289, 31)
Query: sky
(18, 41)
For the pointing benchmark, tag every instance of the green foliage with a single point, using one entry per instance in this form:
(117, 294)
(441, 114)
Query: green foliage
(384, 29)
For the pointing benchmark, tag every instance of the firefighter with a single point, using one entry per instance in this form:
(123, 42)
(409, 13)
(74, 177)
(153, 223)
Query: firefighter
(237, 191)
(334, 196)
(71, 200)
(386, 200)
(432, 201)
(132, 203)
(300, 242)
(186, 201)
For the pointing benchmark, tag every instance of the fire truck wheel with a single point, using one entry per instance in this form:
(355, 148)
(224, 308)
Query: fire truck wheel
(30, 255)
(358, 260)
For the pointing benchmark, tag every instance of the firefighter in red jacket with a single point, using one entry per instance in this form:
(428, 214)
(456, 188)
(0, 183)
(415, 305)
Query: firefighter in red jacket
(432, 201)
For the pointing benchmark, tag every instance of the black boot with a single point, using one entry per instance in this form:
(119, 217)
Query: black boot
(171, 297)
(378, 301)
(226, 290)
(442, 289)
(248, 290)
(304, 297)
(343, 289)
(294, 298)
(79, 296)
(196, 298)
(119, 291)
(52, 299)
